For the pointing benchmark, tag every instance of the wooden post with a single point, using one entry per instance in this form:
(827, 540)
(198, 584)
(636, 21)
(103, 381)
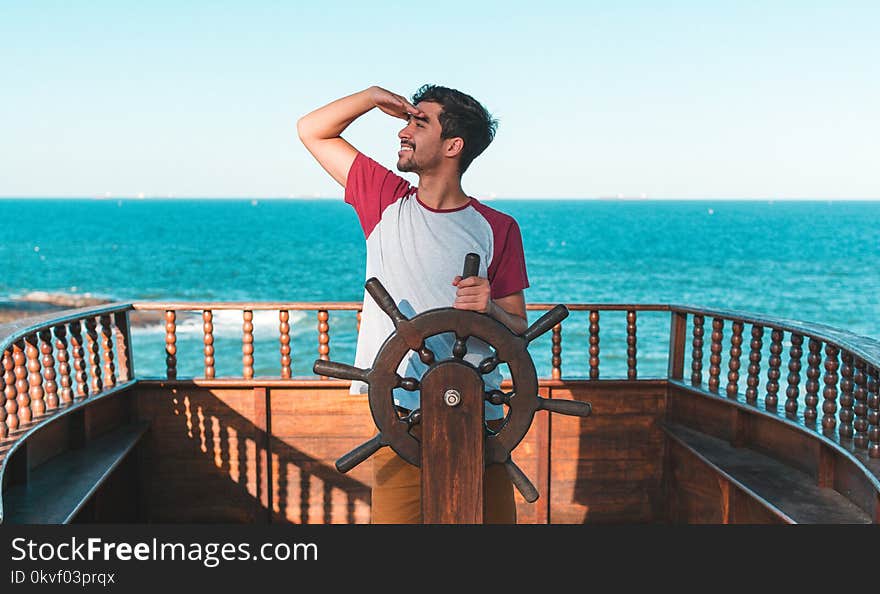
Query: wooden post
(170, 344)
(754, 364)
(594, 344)
(452, 445)
(696, 352)
(631, 372)
(123, 346)
(677, 331)
(247, 344)
(284, 329)
(208, 332)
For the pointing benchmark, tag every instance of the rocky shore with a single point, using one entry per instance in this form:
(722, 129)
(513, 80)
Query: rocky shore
(37, 303)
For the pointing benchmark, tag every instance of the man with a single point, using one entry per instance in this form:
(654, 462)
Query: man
(417, 238)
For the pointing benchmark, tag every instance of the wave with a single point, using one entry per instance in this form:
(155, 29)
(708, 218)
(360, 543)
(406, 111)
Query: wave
(224, 321)
(33, 303)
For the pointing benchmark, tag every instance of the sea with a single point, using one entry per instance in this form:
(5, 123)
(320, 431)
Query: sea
(814, 261)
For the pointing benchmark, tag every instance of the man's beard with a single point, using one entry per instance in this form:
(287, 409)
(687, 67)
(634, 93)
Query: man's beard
(407, 165)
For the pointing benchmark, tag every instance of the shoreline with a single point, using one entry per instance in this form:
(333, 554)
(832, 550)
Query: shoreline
(38, 303)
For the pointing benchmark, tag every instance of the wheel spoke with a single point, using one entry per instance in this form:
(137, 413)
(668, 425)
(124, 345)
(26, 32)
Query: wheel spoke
(545, 322)
(426, 355)
(489, 364)
(521, 481)
(408, 383)
(360, 453)
(459, 349)
(384, 300)
(413, 418)
(340, 371)
(499, 397)
(574, 408)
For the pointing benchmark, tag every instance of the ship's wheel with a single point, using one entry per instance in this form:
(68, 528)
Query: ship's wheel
(410, 334)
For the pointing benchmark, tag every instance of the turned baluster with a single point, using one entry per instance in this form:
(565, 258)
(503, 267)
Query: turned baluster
(594, 344)
(774, 362)
(754, 364)
(733, 364)
(715, 357)
(10, 392)
(556, 352)
(79, 359)
(284, 328)
(123, 348)
(170, 344)
(324, 334)
(48, 365)
(792, 393)
(247, 344)
(860, 409)
(21, 383)
(846, 395)
(829, 406)
(208, 329)
(94, 357)
(4, 429)
(63, 365)
(873, 413)
(697, 353)
(811, 400)
(35, 379)
(631, 344)
(107, 348)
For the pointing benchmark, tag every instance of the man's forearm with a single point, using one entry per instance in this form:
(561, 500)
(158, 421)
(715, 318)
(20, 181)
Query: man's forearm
(516, 324)
(329, 121)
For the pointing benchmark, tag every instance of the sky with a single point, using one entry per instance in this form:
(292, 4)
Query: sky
(662, 100)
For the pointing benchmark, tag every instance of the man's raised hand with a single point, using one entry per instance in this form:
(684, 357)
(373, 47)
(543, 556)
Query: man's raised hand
(393, 104)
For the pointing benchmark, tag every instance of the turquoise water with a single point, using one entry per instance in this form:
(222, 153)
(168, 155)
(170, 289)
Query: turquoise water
(808, 260)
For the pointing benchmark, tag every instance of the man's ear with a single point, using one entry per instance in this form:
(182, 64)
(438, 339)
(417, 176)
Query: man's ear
(454, 146)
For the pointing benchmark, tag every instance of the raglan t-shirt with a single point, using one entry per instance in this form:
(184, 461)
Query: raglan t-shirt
(416, 251)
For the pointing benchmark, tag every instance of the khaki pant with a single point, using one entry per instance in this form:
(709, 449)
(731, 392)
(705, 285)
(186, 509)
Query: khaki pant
(397, 496)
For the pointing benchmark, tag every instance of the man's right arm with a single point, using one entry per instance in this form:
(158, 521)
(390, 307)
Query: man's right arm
(320, 130)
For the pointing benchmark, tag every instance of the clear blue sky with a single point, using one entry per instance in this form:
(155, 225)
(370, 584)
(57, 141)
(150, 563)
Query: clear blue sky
(698, 99)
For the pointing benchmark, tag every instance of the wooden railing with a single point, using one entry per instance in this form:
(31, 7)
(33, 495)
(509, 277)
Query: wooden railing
(323, 312)
(848, 374)
(51, 363)
(59, 360)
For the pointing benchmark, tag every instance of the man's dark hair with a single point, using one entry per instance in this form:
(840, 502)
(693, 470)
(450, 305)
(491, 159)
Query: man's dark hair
(462, 117)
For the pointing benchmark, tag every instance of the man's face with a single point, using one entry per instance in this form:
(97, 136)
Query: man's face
(421, 147)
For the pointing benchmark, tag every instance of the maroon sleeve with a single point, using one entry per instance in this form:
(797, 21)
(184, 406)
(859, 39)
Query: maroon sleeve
(371, 188)
(507, 271)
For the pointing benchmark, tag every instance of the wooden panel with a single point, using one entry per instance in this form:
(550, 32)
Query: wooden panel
(851, 482)
(707, 414)
(694, 494)
(788, 492)
(202, 461)
(106, 414)
(58, 489)
(116, 501)
(452, 446)
(607, 467)
(306, 497)
(311, 429)
(49, 441)
(539, 512)
(785, 444)
(745, 510)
